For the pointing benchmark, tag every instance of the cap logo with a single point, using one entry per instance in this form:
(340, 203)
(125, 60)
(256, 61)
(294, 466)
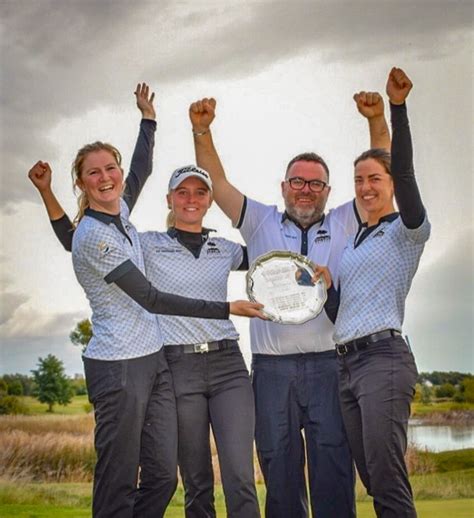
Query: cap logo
(190, 169)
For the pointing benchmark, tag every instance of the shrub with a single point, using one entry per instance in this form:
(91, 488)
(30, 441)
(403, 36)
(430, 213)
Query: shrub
(12, 405)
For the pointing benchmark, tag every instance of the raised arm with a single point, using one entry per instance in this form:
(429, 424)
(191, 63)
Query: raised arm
(40, 175)
(370, 106)
(141, 165)
(407, 194)
(229, 199)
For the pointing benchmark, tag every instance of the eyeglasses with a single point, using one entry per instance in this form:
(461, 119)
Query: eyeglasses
(298, 184)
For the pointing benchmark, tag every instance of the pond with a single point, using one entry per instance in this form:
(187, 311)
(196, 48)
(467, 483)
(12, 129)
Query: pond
(440, 437)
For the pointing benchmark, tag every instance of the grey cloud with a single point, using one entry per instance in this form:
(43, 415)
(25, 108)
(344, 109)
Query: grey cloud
(30, 323)
(67, 57)
(10, 302)
(442, 321)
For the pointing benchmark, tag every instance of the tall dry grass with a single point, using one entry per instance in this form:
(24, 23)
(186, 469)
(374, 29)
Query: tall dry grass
(60, 449)
(47, 448)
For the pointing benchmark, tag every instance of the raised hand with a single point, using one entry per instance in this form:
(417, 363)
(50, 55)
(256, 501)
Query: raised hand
(245, 308)
(40, 174)
(202, 113)
(398, 86)
(369, 104)
(145, 101)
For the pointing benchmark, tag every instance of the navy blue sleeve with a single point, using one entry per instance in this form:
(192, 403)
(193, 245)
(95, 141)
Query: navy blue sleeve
(244, 265)
(64, 231)
(131, 280)
(331, 306)
(407, 194)
(141, 165)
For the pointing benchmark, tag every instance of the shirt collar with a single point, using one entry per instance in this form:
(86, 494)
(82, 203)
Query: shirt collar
(101, 216)
(286, 217)
(388, 217)
(174, 232)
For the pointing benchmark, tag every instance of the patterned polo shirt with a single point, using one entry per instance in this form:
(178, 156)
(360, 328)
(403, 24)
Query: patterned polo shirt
(171, 267)
(266, 229)
(375, 276)
(122, 329)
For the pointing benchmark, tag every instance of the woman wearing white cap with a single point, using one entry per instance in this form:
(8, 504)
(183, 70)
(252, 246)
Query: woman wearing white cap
(127, 376)
(211, 388)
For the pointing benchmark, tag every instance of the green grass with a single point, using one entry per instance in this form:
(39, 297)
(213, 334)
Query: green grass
(419, 409)
(73, 500)
(75, 407)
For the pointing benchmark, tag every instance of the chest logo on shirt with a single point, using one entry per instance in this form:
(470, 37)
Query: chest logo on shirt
(212, 248)
(322, 236)
(104, 248)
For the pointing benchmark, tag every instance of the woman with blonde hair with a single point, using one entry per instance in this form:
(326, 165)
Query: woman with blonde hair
(127, 376)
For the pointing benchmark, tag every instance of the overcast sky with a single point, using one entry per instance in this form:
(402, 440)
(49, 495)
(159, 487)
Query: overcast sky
(283, 74)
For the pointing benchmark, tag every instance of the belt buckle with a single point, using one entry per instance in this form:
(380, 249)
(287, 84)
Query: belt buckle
(342, 350)
(201, 348)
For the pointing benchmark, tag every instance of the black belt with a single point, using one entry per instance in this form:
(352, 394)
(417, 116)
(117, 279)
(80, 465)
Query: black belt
(205, 347)
(364, 342)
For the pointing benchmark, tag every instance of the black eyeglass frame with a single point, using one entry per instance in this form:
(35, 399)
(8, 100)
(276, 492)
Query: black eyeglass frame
(311, 183)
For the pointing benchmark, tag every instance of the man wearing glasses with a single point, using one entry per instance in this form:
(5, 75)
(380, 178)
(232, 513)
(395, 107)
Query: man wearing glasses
(294, 366)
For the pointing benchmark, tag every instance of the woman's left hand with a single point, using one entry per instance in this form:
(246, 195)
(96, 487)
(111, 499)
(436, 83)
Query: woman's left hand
(145, 101)
(322, 271)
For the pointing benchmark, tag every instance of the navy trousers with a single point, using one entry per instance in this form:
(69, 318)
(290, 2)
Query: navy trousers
(298, 411)
(377, 387)
(136, 425)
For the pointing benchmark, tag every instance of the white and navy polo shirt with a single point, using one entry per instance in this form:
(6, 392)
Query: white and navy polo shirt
(172, 268)
(122, 329)
(375, 276)
(266, 229)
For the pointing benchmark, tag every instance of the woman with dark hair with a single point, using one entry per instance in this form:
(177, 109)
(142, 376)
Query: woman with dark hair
(377, 369)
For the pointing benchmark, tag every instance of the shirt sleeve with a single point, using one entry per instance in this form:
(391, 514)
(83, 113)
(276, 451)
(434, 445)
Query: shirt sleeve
(64, 230)
(131, 280)
(141, 165)
(237, 252)
(252, 217)
(407, 194)
(347, 217)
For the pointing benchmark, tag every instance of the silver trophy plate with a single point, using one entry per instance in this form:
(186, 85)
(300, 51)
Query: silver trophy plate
(281, 281)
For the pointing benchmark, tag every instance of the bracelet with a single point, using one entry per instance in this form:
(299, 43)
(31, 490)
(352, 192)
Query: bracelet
(200, 133)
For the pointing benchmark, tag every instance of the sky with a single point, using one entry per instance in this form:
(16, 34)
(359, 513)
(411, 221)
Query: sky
(283, 74)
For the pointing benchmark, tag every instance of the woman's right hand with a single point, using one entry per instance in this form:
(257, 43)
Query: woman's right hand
(245, 308)
(40, 175)
(202, 113)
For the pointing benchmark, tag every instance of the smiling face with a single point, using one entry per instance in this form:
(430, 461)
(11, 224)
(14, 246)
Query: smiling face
(305, 206)
(101, 179)
(189, 203)
(373, 189)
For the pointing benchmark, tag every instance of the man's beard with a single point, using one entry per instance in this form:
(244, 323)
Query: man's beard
(305, 216)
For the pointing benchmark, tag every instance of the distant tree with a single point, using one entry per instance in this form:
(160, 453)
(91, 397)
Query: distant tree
(468, 392)
(82, 333)
(15, 388)
(52, 385)
(27, 382)
(3, 387)
(445, 390)
(425, 394)
(439, 378)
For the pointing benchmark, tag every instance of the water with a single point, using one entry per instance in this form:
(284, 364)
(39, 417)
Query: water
(440, 438)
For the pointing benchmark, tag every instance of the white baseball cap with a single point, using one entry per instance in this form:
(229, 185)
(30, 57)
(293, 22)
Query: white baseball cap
(188, 171)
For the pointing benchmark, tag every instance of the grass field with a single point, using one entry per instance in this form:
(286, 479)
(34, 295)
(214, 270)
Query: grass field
(73, 500)
(46, 463)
